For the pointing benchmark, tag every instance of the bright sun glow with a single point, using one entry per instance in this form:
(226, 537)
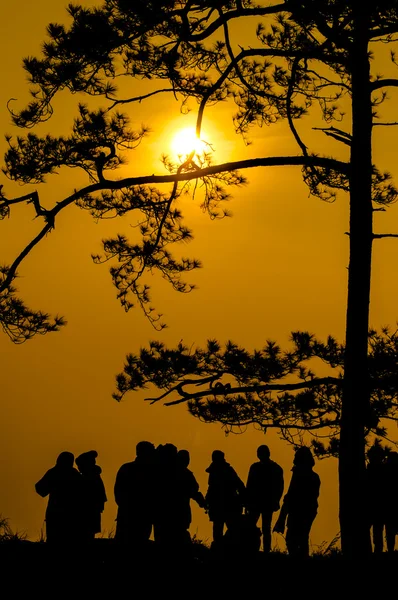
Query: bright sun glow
(185, 140)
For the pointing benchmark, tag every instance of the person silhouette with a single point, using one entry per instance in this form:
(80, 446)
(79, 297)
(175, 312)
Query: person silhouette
(170, 518)
(300, 504)
(93, 496)
(134, 496)
(225, 496)
(391, 502)
(62, 485)
(264, 489)
(376, 495)
(188, 489)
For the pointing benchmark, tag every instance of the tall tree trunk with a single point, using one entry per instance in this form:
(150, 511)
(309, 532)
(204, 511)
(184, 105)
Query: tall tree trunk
(355, 536)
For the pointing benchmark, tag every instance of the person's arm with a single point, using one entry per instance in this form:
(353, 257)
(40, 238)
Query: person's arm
(102, 494)
(251, 486)
(250, 479)
(280, 485)
(119, 488)
(43, 486)
(200, 499)
(195, 493)
(240, 487)
(280, 524)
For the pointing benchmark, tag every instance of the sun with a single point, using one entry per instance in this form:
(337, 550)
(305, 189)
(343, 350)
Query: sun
(185, 141)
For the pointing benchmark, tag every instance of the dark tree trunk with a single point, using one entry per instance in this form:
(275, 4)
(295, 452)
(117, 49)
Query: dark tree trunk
(355, 536)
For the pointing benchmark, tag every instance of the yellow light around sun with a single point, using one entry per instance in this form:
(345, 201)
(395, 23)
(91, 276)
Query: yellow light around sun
(185, 141)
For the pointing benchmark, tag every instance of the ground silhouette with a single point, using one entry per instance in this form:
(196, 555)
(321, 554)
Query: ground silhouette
(106, 570)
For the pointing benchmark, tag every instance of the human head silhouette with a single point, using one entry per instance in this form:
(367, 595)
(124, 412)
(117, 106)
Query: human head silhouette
(303, 457)
(263, 452)
(218, 456)
(169, 453)
(183, 458)
(65, 460)
(86, 460)
(144, 450)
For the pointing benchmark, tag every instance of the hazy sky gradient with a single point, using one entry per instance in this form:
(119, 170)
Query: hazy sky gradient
(280, 264)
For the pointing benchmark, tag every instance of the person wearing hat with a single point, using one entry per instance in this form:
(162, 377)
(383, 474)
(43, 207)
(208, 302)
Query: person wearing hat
(93, 495)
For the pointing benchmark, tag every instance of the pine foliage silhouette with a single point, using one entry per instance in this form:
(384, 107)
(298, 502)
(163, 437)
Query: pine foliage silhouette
(236, 388)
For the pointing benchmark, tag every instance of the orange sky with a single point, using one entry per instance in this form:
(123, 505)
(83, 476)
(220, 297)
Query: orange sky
(280, 264)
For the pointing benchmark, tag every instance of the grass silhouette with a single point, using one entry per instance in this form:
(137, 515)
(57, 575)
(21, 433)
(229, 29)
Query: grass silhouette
(103, 569)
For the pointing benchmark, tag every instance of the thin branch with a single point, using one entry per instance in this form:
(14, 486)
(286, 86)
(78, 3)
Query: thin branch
(235, 14)
(11, 273)
(337, 134)
(32, 198)
(385, 235)
(234, 64)
(173, 196)
(289, 96)
(139, 99)
(27, 197)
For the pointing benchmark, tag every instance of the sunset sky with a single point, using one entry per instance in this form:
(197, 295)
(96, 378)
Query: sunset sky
(278, 265)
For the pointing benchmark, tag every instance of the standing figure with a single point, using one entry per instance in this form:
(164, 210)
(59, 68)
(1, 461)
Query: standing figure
(391, 503)
(188, 489)
(264, 491)
(300, 504)
(93, 496)
(225, 495)
(376, 495)
(169, 521)
(134, 495)
(62, 485)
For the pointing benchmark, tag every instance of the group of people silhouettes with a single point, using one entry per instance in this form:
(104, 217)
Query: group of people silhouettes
(76, 498)
(153, 494)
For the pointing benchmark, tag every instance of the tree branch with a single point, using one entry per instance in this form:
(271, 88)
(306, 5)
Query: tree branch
(107, 184)
(337, 134)
(11, 273)
(139, 99)
(380, 83)
(385, 235)
(224, 390)
(235, 14)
